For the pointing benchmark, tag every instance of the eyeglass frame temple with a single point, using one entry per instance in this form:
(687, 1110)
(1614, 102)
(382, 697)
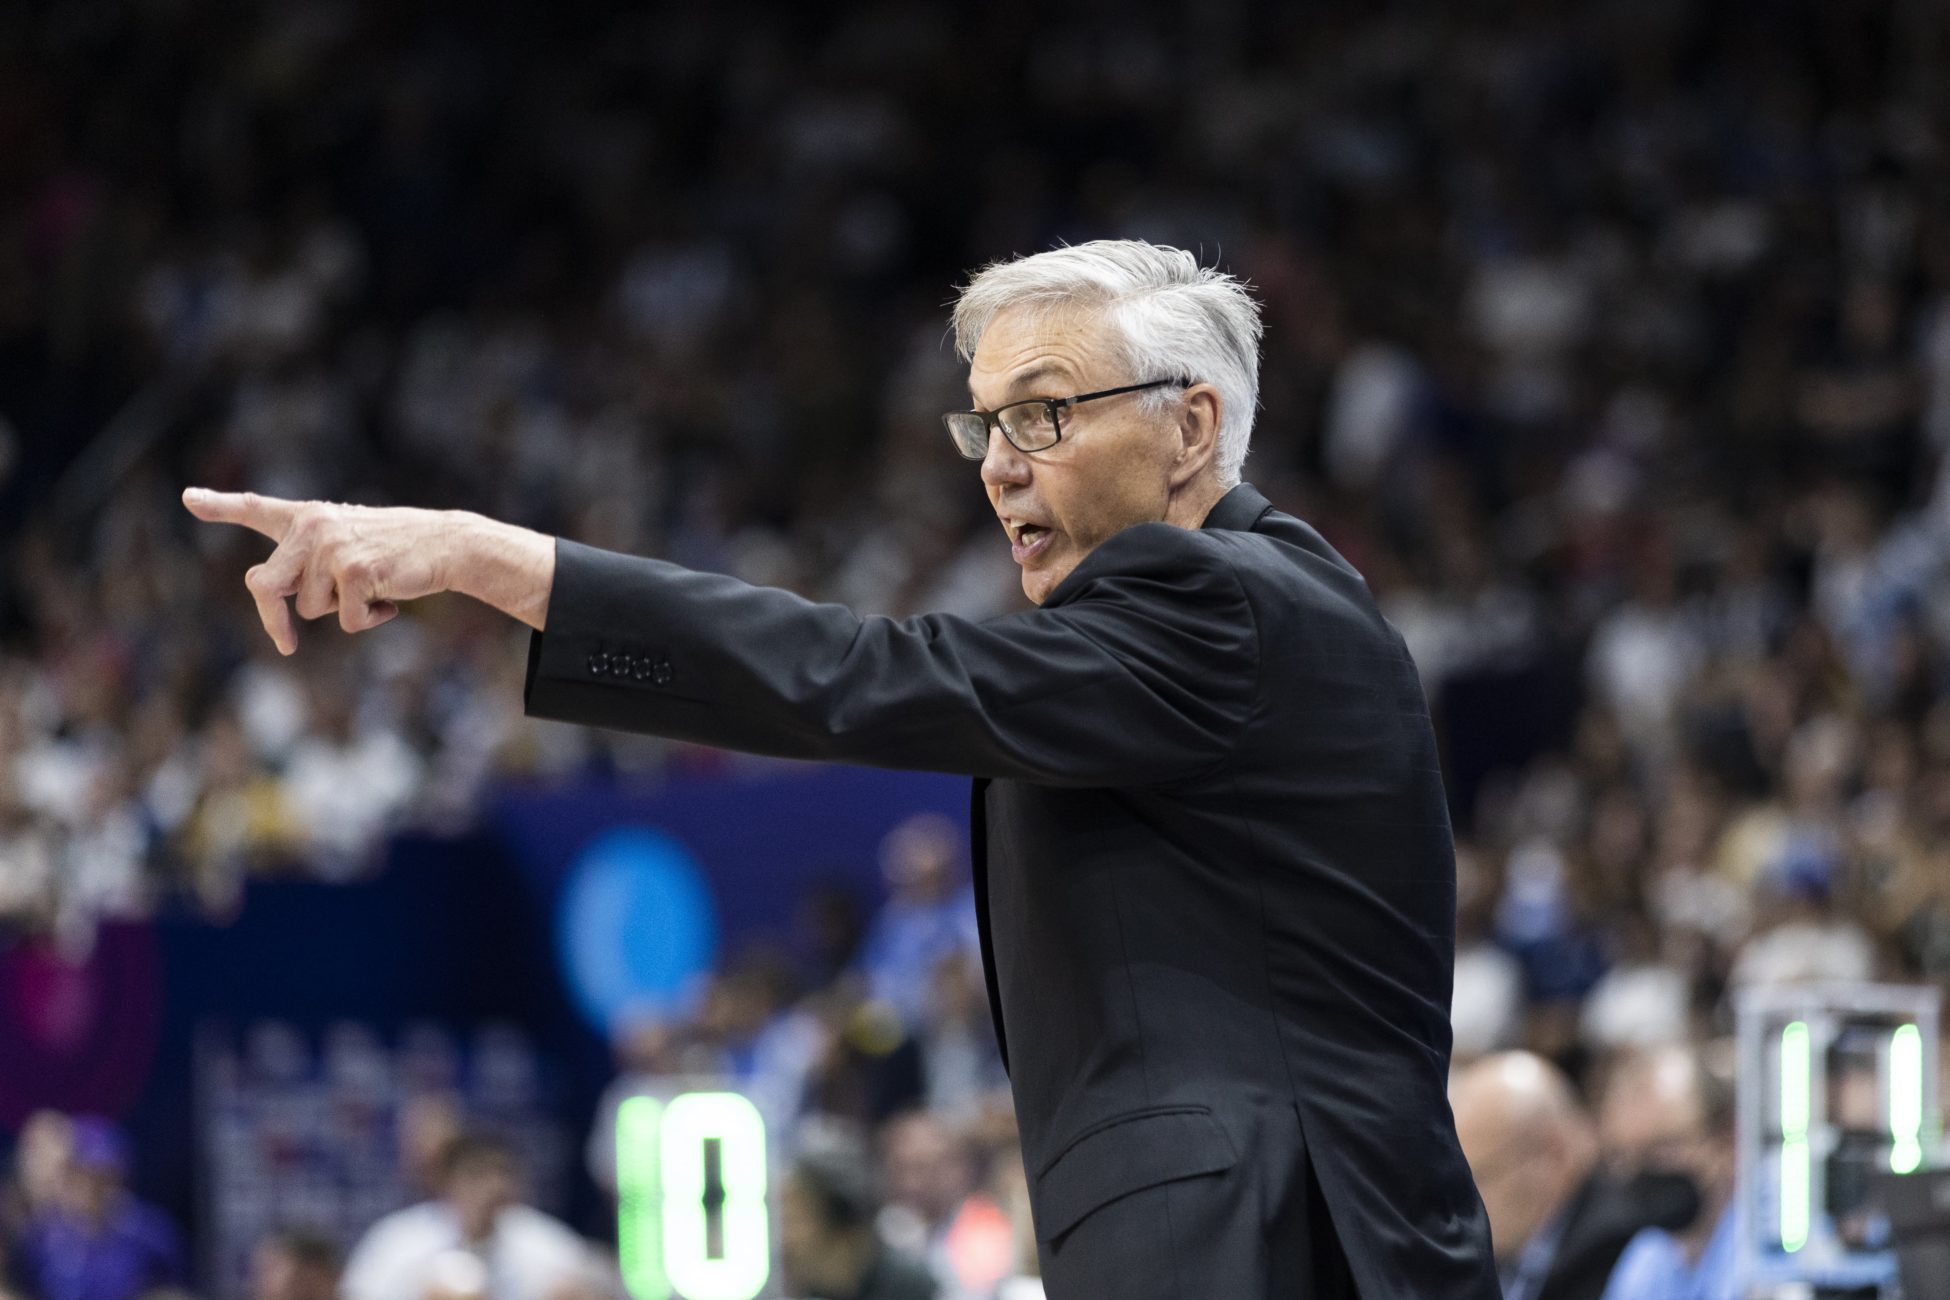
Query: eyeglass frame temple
(1110, 392)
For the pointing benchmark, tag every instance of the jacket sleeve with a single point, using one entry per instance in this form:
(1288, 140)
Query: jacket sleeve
(1142, 671)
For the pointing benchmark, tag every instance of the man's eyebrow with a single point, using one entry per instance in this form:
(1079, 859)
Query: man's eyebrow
(1035, 374)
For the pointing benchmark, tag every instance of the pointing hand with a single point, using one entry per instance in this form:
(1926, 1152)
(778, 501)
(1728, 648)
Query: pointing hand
(361, 561)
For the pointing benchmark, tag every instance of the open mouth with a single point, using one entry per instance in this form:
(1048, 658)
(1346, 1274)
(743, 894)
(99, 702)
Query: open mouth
(1029, 541)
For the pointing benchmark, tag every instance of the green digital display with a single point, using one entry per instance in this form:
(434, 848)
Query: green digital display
(692, 1217)
(639, 1195)
(1836, 1089)
(1796, 1165)
(1905, 1099)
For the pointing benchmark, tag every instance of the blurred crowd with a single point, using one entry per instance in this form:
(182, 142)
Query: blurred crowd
(71, 1228)
(1611, 340)
(886, 1109)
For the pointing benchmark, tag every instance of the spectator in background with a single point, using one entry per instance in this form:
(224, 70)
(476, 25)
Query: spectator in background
(1645, 652)
(984, 1246)
(295, 1265)
(429, 1125)
(1023, 1280)
(937, 1206)
(829, 924)
(1487, 999)
(867, 1066)
(41, 1157)
(1559, 1223)
(829, 1248)
(929, 913)
(239, 819)
(40, 1164)
(1667, 1114)
(348, 779)
(521, 1253)
(95, 1240)
(960, 1063)
(1643, 999)
(1803, 937)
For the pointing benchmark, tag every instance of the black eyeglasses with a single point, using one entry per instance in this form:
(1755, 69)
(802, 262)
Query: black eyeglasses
(1031, 425)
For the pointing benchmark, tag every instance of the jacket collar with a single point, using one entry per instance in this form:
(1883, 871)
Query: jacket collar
(1238, 510)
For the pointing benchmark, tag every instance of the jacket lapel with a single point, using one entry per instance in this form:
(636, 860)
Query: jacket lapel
(978, 823)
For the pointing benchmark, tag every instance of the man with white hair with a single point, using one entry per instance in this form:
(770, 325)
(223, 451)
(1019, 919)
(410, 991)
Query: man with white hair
(1212, 853)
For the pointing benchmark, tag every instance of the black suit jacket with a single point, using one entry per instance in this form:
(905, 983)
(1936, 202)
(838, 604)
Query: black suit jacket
(1212, 853)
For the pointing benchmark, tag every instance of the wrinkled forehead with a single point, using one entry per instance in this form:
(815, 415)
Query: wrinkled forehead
(1044, 351)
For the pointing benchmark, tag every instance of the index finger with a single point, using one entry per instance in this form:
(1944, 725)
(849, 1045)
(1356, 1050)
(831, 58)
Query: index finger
(268, 515)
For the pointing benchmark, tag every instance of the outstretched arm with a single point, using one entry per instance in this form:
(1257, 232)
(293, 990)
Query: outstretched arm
(1142, 667)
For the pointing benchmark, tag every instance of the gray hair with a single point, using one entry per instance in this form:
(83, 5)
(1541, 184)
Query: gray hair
(1174, 317)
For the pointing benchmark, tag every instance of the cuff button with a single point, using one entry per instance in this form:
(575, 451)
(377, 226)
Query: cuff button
(599, 664)
(661, 673)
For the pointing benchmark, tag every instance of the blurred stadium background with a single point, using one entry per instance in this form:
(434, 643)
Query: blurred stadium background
(1611, 340)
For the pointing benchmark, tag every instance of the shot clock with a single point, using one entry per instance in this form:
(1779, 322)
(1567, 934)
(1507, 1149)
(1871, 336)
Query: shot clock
(693, 1203)
(1837, 1083)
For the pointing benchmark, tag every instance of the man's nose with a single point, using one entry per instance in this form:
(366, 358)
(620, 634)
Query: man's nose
(1003, 463)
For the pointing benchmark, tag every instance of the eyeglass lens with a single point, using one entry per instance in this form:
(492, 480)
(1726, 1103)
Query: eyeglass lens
(1030, 425)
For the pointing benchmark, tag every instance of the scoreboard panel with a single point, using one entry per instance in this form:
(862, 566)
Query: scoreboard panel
(693, 1182)
(1837, 1083)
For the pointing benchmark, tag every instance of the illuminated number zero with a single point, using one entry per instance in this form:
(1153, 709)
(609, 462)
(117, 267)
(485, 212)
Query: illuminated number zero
(737, 1271)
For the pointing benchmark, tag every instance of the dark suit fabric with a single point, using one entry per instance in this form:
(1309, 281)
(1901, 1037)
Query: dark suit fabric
(1214, 872)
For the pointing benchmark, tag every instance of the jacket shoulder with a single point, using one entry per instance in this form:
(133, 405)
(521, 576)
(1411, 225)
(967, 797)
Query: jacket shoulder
(1184, 558)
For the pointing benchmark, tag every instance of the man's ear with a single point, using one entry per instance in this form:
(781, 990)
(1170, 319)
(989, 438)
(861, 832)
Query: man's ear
(1198, 433)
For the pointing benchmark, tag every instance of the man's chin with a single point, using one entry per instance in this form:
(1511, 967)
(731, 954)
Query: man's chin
(1039, 582)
